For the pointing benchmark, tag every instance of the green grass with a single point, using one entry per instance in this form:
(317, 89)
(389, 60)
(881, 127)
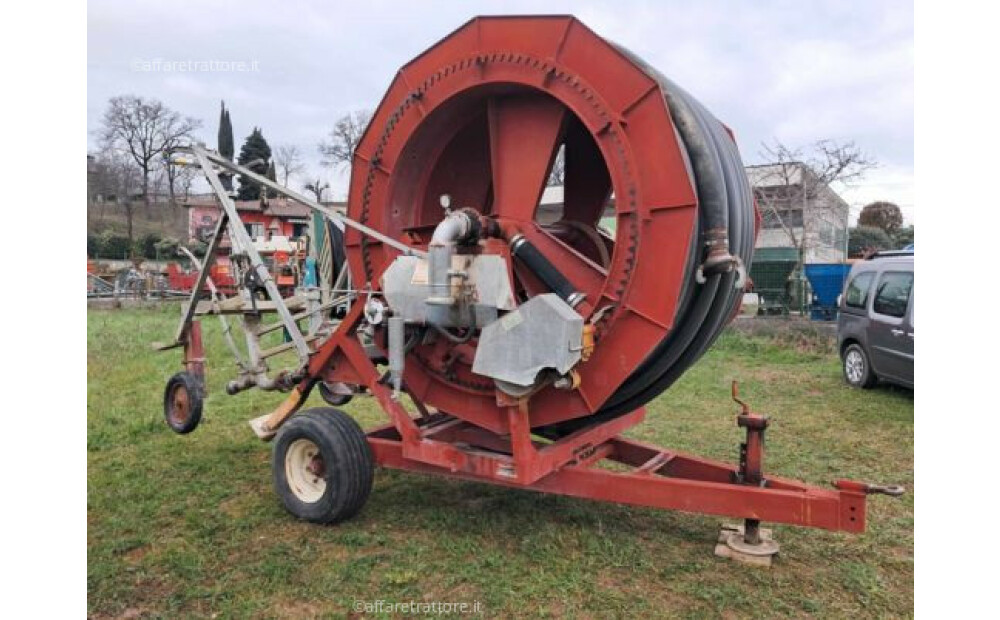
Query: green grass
(190, 527)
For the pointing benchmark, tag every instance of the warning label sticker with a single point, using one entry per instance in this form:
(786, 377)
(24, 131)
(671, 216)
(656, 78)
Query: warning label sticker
(511, 320)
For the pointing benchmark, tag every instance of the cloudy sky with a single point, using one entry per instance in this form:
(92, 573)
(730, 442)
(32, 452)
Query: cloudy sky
(792, 71)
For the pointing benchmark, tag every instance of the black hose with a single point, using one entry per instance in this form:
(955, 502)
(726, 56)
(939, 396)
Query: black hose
(338, 250)
(451, 337)
(414, 339)
(526, 252)
(469, 331)
(725, 221)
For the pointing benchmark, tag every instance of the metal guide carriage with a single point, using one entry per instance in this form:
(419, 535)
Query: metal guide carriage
(527, 342)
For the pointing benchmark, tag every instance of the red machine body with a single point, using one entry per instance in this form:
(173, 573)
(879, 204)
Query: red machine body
(180, 280)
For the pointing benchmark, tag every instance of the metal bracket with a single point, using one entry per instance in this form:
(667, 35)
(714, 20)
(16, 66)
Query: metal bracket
(226, 329)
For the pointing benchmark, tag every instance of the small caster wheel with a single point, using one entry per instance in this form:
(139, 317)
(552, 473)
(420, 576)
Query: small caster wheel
(331, 397)
(182, 401)
(323, 466)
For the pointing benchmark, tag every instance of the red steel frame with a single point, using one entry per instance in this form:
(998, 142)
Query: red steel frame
(194, 353)
(437, 443)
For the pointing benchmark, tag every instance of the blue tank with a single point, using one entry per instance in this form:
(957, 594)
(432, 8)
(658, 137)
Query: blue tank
(827, 282)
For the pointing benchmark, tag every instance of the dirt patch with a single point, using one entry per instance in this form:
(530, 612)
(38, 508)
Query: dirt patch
(127, 303)
(289, 608)
(134, 556)
(146, 596)
(798, 333)
(648, 589)
(236, 506)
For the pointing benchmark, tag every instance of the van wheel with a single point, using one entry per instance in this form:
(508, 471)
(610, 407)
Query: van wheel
(857, 369)
(323, 466)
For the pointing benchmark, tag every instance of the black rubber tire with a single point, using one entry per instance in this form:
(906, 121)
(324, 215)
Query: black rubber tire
(348, 463)
(183, 418)
(868, 378)
(328, 396)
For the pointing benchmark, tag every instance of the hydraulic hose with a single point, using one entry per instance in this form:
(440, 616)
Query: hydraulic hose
(526, 252)
(725, 233)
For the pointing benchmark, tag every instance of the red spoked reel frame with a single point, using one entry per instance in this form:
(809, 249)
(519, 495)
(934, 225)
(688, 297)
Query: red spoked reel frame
(480, 116)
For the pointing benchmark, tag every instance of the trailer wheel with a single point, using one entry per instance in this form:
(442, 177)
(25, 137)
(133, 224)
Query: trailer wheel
(331, 397)
(323, 466)
(182, 402)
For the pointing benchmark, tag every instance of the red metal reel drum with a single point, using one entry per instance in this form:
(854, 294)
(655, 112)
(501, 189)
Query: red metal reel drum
(480, 116)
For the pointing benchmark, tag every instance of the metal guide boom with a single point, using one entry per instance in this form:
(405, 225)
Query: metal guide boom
(201, 153)
(208, 161)
(241, 239)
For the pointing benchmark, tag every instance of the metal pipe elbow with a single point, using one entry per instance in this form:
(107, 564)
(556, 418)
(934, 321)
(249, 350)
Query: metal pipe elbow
(455, 227)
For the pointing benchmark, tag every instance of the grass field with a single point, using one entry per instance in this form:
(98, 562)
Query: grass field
(190, 527)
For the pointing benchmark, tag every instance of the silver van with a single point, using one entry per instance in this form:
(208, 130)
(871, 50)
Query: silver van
(875, 328)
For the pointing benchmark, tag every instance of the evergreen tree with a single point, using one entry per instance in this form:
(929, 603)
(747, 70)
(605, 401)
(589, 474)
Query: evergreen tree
(255, 148)
(225, 134)
(903, 237)
(272, 174)
(226, 147)
(865, 240)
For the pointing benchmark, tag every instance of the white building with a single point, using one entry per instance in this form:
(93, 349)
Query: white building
(815, 215)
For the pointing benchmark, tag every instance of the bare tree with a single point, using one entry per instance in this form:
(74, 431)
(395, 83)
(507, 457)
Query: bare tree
(104, 178)
(116, 179)
(178, 177)
(338, 149)
(317, 188)
(557, 176)
(795, 179)
(794, 188)
(185, 180)
(173, 180)
(143, 129)
(289, 161)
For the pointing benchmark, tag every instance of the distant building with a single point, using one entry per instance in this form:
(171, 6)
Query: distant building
(279, 217)
(818, 215)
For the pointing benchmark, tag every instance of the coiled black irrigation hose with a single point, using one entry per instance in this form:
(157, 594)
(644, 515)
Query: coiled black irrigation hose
(725, 201)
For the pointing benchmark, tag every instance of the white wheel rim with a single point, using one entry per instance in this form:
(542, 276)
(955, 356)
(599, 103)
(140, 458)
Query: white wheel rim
(854, 364)
(305, 471)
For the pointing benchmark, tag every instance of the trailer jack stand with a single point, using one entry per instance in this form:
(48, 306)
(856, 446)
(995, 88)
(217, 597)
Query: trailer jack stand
(734, 543)
(749, 543)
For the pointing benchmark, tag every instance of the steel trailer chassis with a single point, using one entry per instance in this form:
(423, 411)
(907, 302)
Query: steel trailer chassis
(436, 443)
